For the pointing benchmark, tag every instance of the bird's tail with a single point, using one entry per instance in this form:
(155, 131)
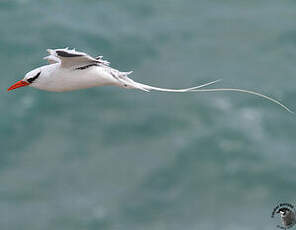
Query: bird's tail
(149, 88)
(129, 83)
(248, 92)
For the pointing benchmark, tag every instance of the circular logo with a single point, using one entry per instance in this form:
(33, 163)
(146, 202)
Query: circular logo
(287, 213)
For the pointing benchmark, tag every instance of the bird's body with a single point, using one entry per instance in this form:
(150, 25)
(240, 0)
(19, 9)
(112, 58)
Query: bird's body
(71, 70)
(58, 79)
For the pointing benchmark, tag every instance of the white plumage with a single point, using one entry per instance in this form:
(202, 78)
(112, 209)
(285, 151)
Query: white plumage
(73, 70)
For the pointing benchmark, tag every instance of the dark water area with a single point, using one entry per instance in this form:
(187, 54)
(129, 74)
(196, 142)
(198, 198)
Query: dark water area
(110, 158)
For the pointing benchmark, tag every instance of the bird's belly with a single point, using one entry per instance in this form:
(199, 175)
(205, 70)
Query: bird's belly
(79, 79)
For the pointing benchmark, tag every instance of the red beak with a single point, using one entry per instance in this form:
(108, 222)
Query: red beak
(18, 85)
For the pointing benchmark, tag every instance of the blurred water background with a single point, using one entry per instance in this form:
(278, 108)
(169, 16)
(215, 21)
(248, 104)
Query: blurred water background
(109, 158)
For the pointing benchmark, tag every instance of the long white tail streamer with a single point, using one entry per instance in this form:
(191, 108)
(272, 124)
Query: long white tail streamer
(197, 89)
(248, 92)
(129, 83)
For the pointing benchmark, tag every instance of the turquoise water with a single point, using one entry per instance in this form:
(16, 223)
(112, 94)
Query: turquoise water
(109, 158)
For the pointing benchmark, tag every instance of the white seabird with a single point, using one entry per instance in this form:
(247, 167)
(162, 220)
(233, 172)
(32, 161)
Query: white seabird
(71, 70)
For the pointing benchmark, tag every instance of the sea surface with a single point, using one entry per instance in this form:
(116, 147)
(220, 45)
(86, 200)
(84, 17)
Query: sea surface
(111, 158)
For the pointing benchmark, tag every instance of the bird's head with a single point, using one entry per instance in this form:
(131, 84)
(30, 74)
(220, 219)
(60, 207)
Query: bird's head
(31, 79)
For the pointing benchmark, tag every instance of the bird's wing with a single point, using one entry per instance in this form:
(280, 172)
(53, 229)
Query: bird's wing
(71, 58)
(52, 59)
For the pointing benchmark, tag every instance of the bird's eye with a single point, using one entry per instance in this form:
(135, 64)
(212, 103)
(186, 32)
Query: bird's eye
(32, 79)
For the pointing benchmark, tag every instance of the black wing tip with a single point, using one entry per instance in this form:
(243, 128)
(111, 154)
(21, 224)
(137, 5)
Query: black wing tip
(67, 54)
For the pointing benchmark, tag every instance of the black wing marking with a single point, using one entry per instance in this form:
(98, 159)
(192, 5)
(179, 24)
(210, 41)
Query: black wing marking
(69, 58)
(66, 54)
(87, 66)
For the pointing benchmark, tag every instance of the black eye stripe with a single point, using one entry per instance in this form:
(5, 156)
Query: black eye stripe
(32, 79)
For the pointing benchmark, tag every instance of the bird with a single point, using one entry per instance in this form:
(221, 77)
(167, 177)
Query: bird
(287, 216)
(68, 70)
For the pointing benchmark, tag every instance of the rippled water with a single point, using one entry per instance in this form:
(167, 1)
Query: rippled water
(109, 158)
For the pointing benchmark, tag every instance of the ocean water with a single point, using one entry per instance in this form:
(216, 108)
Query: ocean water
(110, 158)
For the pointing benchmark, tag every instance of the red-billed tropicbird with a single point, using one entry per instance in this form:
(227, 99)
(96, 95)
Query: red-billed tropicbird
(73, 70)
